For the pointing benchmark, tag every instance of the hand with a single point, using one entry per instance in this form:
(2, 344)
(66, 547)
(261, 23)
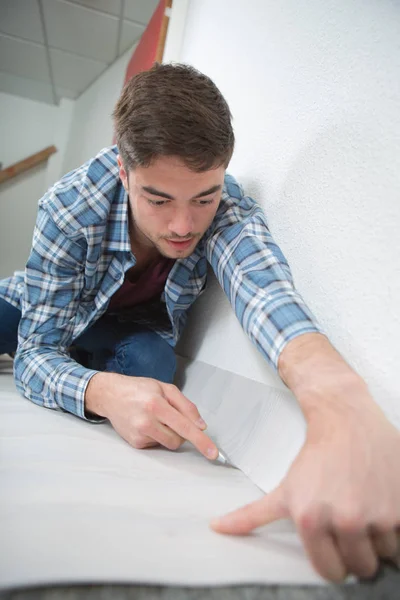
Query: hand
(146, 412)
(342, 492)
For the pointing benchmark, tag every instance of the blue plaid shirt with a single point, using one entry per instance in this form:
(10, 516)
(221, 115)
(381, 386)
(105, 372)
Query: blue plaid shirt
(79, 256)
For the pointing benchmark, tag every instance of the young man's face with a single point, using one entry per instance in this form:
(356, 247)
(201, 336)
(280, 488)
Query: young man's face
(171, 205)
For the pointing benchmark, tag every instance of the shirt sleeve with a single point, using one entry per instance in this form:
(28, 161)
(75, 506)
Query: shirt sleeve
(256, 277)
(51, 310)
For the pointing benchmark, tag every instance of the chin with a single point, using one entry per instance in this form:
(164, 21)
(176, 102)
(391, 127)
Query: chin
(177, 253)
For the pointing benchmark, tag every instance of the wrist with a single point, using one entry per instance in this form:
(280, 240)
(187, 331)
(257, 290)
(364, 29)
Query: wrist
(319, 377)
(97, 394)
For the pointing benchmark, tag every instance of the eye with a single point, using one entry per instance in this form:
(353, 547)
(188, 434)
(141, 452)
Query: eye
(204, 202)
(156, 202)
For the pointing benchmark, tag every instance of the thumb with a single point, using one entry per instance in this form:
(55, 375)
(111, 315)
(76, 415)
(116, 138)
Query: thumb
(261, 512)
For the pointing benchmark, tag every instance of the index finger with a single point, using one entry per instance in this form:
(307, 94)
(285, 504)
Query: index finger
(185, 428)
(183, 405)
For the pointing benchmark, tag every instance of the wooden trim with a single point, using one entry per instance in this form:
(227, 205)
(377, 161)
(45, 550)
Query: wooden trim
(26, 164)
(163, 32)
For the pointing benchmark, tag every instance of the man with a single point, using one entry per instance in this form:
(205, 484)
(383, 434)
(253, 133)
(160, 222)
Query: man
(119, 255)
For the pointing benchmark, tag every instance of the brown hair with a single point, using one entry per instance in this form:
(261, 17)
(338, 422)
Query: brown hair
(173, 110)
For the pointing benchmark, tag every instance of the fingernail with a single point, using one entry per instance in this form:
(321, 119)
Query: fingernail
(212, 453)
(201, 423)
(215, 522)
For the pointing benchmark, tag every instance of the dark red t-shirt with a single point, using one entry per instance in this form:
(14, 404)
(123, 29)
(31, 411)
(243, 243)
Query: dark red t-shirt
(146, 288)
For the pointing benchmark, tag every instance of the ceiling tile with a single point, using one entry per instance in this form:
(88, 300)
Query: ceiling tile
(27, 88)
(25, 59)
(140, 11)
(129, 35)
(21, 18)
(77, 29)
(74, 72)
(113, 7)
(64, 93)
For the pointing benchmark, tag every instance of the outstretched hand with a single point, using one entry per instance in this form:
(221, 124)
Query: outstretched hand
(342, 492)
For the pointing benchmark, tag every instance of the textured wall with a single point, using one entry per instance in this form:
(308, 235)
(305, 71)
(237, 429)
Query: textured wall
(314, 88)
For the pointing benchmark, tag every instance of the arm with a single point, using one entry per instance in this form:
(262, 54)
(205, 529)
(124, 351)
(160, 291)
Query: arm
(309, 365)
(51, 312)
(343, 489)
(256, 277)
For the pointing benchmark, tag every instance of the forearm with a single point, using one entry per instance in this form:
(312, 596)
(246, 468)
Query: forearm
(51, 378)
(319, 377)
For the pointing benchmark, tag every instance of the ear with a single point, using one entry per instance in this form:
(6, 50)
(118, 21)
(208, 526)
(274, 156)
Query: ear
(122, 173)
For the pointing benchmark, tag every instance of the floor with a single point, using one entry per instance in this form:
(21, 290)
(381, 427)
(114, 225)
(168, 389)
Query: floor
(386, 586)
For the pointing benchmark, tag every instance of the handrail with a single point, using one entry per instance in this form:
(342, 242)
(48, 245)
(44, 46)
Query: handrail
(26, 164)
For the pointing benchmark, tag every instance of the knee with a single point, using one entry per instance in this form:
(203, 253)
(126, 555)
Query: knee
(146, 354)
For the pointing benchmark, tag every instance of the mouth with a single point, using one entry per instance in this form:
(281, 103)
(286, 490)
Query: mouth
(177, 245)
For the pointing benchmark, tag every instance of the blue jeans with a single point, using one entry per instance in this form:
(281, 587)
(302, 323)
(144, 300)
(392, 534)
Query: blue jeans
(108, 345)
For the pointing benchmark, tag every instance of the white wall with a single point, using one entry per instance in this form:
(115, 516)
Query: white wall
(175, 31)
(314, 88)
(92, 127)
(27, 126)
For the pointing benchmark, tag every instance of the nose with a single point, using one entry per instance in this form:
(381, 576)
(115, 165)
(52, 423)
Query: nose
(182, 223)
